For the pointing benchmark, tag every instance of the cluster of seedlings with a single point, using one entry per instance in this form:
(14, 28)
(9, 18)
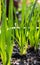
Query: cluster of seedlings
(20, 39)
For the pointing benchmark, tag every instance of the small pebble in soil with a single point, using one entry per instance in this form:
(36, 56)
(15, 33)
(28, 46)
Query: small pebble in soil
(35, 61)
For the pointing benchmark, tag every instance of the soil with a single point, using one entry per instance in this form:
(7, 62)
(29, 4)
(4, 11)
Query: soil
(31, 58)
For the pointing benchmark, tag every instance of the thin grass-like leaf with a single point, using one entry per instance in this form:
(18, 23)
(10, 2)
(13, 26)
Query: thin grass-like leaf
(3, 29)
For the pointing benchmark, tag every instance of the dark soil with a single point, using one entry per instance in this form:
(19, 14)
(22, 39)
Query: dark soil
(31, 58)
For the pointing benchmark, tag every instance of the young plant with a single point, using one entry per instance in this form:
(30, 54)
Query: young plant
(37, 31)
(3, 28)
(20, 33)
(9, 35)
(6, 35)
(21, 40)
(34, 34)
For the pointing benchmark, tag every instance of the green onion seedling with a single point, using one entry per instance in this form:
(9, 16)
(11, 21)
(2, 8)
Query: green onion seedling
(6, 41)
